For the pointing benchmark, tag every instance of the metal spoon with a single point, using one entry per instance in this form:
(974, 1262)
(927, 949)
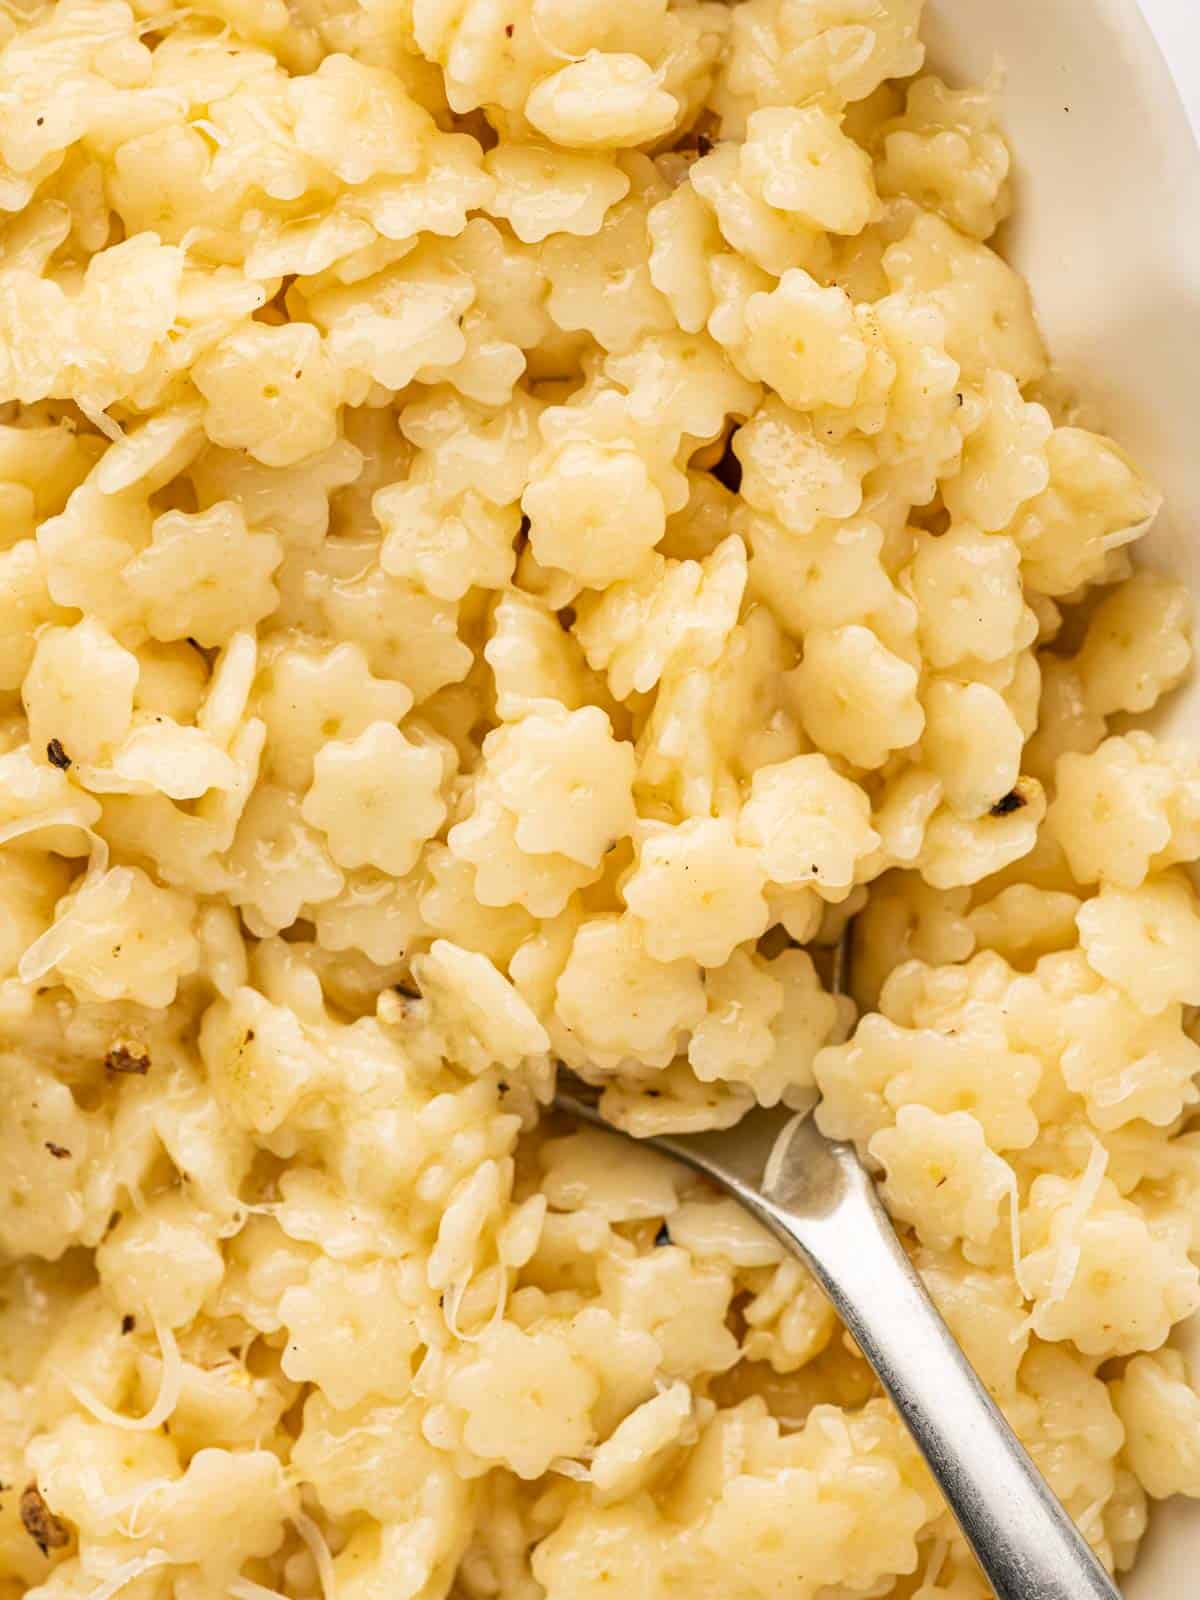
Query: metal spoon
(816, 1197)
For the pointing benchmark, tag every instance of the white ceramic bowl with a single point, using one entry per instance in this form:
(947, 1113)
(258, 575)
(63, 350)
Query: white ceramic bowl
(1107, 230)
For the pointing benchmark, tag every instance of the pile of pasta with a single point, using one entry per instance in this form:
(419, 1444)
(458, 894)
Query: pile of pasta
(519, 519)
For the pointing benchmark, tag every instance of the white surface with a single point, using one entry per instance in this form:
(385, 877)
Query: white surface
(1176, 25)
(1108, 233)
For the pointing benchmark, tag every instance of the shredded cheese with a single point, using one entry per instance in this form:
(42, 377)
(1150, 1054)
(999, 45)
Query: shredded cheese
(453, 1302)
(1082, 1202)
(169, 1388)
(128, 1572)
(318, 1547)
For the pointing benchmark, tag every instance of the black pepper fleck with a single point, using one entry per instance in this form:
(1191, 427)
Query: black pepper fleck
(58, 1151)
(128, 1323)
(1007, 804)
(57, 756)
(126, 1059)
(40, 1523)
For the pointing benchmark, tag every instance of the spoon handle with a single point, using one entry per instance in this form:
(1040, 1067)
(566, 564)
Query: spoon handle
(819, 1200)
